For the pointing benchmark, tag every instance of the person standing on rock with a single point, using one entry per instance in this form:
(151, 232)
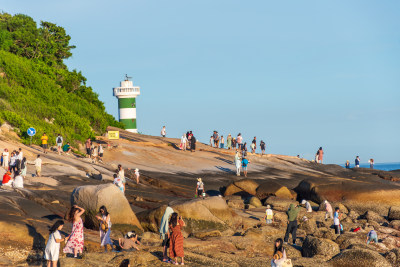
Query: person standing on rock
(244, 150)
(44, 140)
(292, 223)
(307, 205)
(347, 165)
(24, 168)
(193, 143)
(163, 132)
(269, 215)
(254, 145)
(357, 162)
(336, 220)
(183, 142)
(52, 251)
(59, 142)
(164, 232)
(216, 139)
(328, 209)
(262, 147)
(239, 140)
(233, 143)
(75, 240)
(279, 254)
(371, 163)
(6, 156)
(20, 158)
(88, 145)
(13, 162)
(105, 228)
(121, 174)
(238, 162)
(200, 188)
(372, 236)
(222, 143)
(245, 162)
(176, 239)
(101, 152)
(320, 155)
(137, 175)
(38, 166)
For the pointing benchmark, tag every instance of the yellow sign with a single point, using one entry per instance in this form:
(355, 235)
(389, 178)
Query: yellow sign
(113, 134)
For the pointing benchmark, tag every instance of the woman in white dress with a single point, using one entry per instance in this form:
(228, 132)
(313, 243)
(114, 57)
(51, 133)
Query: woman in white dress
(6, 159)
(105, 228)
(53, 244)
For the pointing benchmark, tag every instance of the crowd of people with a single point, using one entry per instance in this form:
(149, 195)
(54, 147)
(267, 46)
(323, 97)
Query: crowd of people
(218, 141)
(188, 142)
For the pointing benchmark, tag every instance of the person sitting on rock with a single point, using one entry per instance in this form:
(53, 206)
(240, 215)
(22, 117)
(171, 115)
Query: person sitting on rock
(279, 253)
(269, 215)
(328, 209)
(372, 236)
(118, 182)
(307, 205)
(18, 181)
(129, 242)
(292, 223)
(7, 180)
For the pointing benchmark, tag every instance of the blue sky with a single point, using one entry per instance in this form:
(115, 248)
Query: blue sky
(297, 74)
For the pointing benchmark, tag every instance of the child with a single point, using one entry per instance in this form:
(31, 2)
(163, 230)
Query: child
(130, 241)
(118, 182)
(53, 244)
(269, 215)
(336, 221)
(372, 236)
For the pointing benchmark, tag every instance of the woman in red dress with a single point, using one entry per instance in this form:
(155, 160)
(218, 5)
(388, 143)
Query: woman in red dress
(75, 241)
(176, 240)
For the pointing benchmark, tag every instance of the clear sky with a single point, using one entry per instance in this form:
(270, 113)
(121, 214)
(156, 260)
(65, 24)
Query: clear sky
(296, 74)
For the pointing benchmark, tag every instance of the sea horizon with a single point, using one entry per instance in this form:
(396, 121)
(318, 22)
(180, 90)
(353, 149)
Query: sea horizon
(384, 166)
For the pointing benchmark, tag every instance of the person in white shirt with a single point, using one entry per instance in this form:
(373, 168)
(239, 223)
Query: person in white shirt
(163, 131)
(101, 151)
(38, 165)
(13, 162)
(118, 183)
(6, 156)
(121, 174)
(137, 175)
(269, 215)
(183, 142)
(307, 204)
(18, 181)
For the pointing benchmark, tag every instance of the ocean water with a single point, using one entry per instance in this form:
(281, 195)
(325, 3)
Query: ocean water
(379, 166)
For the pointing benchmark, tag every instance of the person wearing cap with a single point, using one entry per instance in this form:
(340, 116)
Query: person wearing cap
(7, 180)
(200, 188)
(307, 204)
(137, 175)
(269, 215)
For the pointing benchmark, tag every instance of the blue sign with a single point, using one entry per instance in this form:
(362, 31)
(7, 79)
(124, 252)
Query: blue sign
(31, 131)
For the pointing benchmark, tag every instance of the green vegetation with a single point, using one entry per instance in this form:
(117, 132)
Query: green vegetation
(37, 89)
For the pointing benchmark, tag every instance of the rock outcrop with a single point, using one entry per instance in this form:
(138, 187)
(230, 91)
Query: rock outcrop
(313, 246)
(243, 187)
(272, 188)
(359, 257)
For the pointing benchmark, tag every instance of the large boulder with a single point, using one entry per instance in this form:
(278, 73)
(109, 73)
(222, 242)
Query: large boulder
(309, 226)
(279, 204)
(313, 246)
(243, 187)
(359, 257)
(272, 188)
(199, 215)
(393, 257)
(255, 202)
(394, 213)
(374, 217)
(395, 224)
(92, 197)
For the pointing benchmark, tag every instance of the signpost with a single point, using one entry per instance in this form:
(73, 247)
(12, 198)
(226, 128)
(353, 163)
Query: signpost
(31, 132)
(113, 135)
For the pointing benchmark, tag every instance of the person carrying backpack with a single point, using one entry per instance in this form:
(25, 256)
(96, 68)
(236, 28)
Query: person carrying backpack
(245, 162)
(59, 141)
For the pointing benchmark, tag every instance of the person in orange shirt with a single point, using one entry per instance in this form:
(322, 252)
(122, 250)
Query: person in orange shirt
(7, 180)
(44, 139)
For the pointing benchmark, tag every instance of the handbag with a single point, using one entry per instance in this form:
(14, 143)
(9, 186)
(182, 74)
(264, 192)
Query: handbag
(104, 227)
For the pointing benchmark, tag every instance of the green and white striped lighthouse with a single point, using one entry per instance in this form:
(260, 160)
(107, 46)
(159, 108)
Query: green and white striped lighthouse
(126, 95)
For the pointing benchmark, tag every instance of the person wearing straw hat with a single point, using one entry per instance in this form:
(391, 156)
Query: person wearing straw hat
(269, 215)
(137, 175)
(200, 188)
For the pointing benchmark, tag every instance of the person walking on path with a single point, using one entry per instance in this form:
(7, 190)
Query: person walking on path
(279, 256)
(238, 162)
(88, 145)
(336, 220)
(262, 147)
(164, 232)
(105, 228)
(38, 165)
(372, 236)
(239, 140)
(211, 141)
(176, 240)
(59, 142)
(357, 162)
(163, 132)
(137, 175)
(371, 163)
(307, 205)
(320, 155)
(75, 242)
(52, 251)
(245, 162)
(222, 143)
(200, 188)
(183, 142)
(292, 223)
(44, 140)
(269, 215)
(254, 145)
(229, 141)
(328, 210)
(6, 159)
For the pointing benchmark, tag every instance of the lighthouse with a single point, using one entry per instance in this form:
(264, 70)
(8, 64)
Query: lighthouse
(126, 95)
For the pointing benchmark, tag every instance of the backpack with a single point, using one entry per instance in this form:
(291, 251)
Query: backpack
(59, 140)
